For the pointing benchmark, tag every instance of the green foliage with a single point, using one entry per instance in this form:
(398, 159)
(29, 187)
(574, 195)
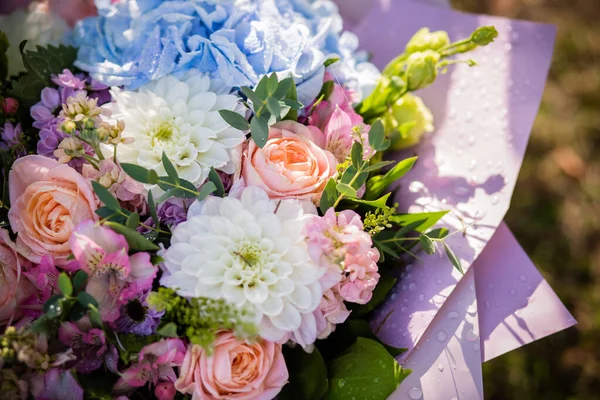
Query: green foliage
(64, 284)
(365, 370)
(40, 65)
(308, 375)
(272, 101)
(199, 319)
(135, 240)
(3, 57)
(379, 183)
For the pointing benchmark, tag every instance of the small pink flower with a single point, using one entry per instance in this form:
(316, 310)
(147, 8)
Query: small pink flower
(235, 370)
(331, 311)
(15, 288)
(110, 175)
(10, 106)
(340, 243)
(115, 277)
(89, 345)
(165, 391)
(72, 11)
(292, 164)
(155, 364)
(339, 98)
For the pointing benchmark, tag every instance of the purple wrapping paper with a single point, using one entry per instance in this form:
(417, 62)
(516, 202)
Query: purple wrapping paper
(468, 165)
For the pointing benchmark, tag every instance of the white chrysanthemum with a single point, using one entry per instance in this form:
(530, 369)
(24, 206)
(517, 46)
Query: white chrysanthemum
(178, 116)
(37, 25)
(250, 252)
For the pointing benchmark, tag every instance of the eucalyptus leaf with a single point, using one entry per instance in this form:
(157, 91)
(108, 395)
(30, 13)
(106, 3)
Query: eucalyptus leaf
(170, 168)
(235, 120)
(427, 244)
(346, 189)
(260, 130)
(329, 196)
(64, 284)
(135, 240)
(79, 280)
(356, 155)
(106, 197)
(206, 189)
(140, 174)
(378, 184)
(453, 259)
(214, 177)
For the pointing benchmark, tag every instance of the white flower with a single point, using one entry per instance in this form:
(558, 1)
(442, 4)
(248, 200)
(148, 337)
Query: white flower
(251, 252)
(178, 116)
(37, 25)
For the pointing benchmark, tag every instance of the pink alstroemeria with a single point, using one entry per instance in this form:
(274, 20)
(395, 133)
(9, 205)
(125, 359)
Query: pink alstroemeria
(155, 364)
(114, 276)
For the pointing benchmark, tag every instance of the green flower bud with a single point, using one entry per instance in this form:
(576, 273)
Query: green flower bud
(484, 35)
(406, 122)
(426, 40)
(421, 69)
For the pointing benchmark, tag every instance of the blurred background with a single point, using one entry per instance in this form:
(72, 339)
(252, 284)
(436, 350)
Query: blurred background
(555, 210)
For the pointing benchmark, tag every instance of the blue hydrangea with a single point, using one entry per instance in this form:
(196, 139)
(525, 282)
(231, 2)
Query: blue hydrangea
(134, 41)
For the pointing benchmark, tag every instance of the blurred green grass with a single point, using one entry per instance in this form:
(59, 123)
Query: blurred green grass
(555, 211)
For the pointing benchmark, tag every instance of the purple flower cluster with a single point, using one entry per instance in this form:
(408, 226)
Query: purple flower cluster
(11, 139)
(45, 112)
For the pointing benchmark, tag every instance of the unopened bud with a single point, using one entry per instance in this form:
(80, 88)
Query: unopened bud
(426, 40)
(10, 106)
(484, 35)
(68, 149)
(421, 69)
(406, 122)
(69, 126)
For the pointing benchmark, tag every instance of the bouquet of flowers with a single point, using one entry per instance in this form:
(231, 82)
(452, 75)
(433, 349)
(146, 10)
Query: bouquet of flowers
(197, 199)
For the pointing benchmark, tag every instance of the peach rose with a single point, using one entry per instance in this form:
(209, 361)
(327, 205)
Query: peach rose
(48, 200)
(14, 287)
(291, 164)
(235, 370)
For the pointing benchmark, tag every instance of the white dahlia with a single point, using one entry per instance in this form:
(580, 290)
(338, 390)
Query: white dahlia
(178, 116)
(250, 252)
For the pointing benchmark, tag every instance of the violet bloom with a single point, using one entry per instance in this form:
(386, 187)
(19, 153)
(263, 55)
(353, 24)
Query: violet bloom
(46, 110)
(11, 139)
(138, 317)
(173, 211)
(68, 79)
(89, 345)
(115, 277)
(56, 384)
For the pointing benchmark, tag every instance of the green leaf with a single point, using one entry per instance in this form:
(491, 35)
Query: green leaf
(379, 203)
(428, 219)
(206, 190)
(356, 155)
(106, 197)
(366, 371)
(326, 91)
(283, 88)
(427, 243)
(377, 184)
(273, 106)
(214, 177)
(329, 196)
(170, 168)
(234, 119)
(260, 130)
(410, 227)
(307, 375)
(183, 189)
(377, 138)
(4, 44)
(346, 189)
(291, 99)
(453, 259)
(133, 221)
(94, 314)
(86, 299)
(168, 330)
(256, 100)
(152, 208)
(64, 284)
(135, 240)
(272, 84)
(438, 233)
(377, 166)
(261, 88)
(330, 61)
(79, 280)
(140, 174)
(361, 328)
(52, 304)
(77, 312)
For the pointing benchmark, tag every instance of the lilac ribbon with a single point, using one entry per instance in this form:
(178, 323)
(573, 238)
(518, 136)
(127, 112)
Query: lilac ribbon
(469, 165)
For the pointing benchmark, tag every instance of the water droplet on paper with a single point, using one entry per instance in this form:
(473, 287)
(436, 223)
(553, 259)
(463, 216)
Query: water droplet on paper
(415, 393)
(471, 335)
(476, 347)
(513, 292)
(421, 297)
(495, 200)
(453, 315)
(402, 310)
(523, 278)
(416, 187)
(440, 367)
(472, 287)
(471, 140)
(441, 336)
(487, 305)
(393, 296)
(438, 281)
(412, 286)
(472, 165)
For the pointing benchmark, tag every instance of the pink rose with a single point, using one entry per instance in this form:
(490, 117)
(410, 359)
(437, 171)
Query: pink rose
(14, 286)
(48, 200)
(72, 11)
(235, 370)
(291, 164)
